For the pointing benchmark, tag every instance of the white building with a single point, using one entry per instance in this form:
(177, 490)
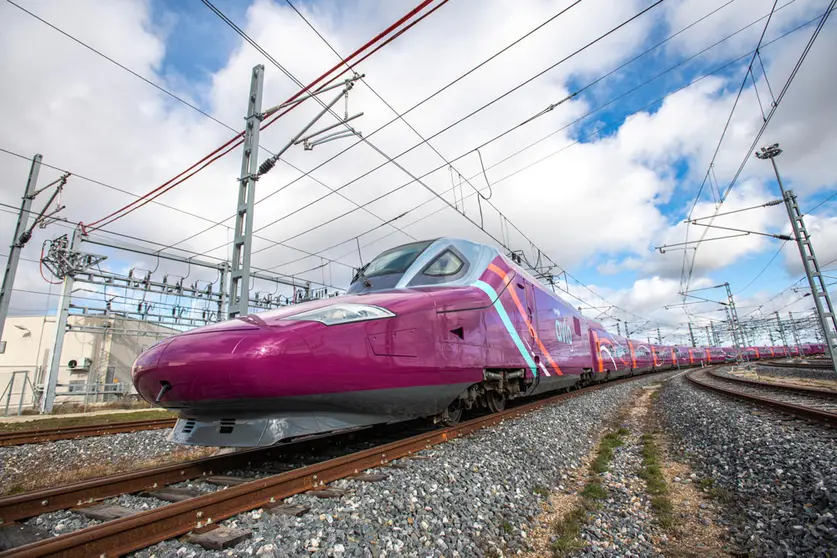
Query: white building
(95, 360)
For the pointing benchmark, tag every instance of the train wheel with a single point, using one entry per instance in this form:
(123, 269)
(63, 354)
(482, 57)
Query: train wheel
(496, 401)
(453, 414)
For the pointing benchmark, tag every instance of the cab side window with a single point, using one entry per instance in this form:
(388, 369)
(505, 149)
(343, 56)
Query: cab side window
(445, 265)
(449, 265)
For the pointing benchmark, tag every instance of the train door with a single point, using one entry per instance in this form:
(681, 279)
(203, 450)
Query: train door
(532, 315)
(520, 310)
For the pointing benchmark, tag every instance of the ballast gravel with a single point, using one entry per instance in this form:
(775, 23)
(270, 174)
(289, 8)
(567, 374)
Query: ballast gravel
(60, 458)
(775, 476)
(474, 496)
(807, 373)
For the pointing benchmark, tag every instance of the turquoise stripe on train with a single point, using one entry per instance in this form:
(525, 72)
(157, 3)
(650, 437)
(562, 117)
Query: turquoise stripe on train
(504, 317)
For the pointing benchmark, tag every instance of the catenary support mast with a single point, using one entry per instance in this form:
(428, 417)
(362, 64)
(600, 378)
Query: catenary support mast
(24, 229)
(17, 244)
(240, 268)
(793, 329)
(819, 291)
(62, 314)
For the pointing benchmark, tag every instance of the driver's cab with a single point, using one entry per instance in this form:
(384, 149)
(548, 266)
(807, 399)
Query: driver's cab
(439, 262)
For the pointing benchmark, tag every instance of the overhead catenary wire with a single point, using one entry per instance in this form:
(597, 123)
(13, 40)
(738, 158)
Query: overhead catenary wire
(162, 245)
(577, 120)
(710, 73)
(106, 234)
(822, 203)
(183, 101)
(450, 126)
(371, 134)
(380, 98)
(830, 8)
(392, 159)
(747, 74)
(716, 70)
(308, 90)
(481, 108)
(767, 265)
(237, 139)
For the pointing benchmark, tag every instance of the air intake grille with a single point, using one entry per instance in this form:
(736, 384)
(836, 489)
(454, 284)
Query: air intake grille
(227, 426)
(188, 426)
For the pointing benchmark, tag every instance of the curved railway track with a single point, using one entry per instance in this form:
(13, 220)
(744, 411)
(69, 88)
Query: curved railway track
(200, 513)
(809, 403)
(36, 436)
(813, 364)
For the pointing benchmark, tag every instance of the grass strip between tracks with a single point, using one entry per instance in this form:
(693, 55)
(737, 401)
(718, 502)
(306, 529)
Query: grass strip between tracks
(655, 481)
(568, 528)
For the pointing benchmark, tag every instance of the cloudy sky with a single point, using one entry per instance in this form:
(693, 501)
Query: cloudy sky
(595, 184)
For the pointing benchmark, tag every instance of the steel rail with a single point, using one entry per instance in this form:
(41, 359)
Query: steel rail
(30, 504)
(803, 390)
(143, 529)
(817, 365)
(790, 408)
(36, 436)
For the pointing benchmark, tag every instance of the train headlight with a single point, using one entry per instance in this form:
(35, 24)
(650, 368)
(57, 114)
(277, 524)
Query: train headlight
(343, 313)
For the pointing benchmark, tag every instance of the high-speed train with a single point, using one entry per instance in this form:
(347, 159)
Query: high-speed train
(427, 329)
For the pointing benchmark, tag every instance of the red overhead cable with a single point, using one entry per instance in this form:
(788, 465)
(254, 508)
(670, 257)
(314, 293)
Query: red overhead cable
(237, 140)
(171, 183)
(148, 199)
(400, 32)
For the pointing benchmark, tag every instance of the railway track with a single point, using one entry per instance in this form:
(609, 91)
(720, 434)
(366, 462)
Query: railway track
(194, 513)
(35, 436)
(811, 364)
(809, 403)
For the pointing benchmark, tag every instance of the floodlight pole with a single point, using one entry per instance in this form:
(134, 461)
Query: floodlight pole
(819, 291)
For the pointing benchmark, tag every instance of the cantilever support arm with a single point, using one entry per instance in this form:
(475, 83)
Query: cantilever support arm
(779, 236)
(686, 245)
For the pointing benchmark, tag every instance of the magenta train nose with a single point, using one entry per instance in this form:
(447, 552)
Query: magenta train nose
(204, 369)
(427, 329)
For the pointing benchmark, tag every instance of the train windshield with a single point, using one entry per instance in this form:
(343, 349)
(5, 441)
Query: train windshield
(395, 260)
(387, 268)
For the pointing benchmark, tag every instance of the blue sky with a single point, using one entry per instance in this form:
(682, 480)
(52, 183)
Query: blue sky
(197, 43)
